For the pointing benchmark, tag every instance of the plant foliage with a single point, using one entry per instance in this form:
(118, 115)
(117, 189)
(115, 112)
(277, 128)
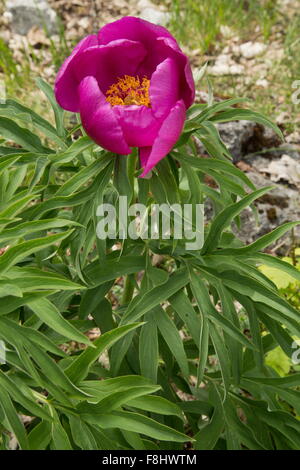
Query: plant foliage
(183, 352)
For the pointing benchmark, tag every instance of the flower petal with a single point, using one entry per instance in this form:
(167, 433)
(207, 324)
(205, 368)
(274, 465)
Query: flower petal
(164, 87)
(163, 48)
(139, 125)
(65, 85)
(98, 118)
(134, 29)
(167, 137)
(106, 63)
(188, 82)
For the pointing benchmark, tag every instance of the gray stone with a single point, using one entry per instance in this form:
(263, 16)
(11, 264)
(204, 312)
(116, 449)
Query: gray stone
(159, 17)
(275, 208)
(246, 137)
(235, 134)
(28, 13)
(250, 49)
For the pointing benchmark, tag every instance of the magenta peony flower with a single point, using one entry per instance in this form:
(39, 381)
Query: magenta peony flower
(131, 84)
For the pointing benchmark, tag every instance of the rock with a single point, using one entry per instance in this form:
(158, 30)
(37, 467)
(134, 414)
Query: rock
(224, 65)
(37, 38)
(226, 31)
(284, 169)
(26, 14)
(151, 12)
(242, 138)
(220, 68)
(262, 138)
(278, 164)
(282, 118)
(262, 82)
(155, 16)
(274, 209)
(142, 4)
(250, 49)
(235, 134)
(293, 138)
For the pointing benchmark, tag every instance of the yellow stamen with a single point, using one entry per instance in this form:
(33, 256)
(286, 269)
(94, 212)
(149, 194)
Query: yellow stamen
(129, 90)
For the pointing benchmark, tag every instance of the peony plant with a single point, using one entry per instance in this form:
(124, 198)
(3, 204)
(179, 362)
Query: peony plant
(132, 85)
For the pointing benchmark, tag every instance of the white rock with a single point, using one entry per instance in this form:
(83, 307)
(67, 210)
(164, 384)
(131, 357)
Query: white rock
(286, 168)
(155, 16)
(237, 69)
(224, 58)
(224, 68)
(28, 13)
(293, 138)
(252, 49)
(283, 117)
(142, 4)
(226, 31)
(84, 22)
(8, 16)
(262, 82)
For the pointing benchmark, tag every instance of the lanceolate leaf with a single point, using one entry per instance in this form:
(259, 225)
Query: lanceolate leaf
(137, 423)
(79, 368)
(22, 136)
(19, 252)
(224, 218)
(50, 315)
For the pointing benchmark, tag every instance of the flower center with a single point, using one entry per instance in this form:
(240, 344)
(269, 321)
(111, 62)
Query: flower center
(129, 90)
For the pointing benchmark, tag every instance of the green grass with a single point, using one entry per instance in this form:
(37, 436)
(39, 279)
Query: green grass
(197, 24)
(198, 27)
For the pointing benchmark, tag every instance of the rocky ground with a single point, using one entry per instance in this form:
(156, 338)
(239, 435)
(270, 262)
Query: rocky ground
(258, 152)
(41, 41)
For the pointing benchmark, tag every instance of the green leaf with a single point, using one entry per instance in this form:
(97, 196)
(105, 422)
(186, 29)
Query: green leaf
(187, 313)
(110, 269)
(148, 349)
(100, 388)
(82, 176)
(17, 253)
(171, 336)
(261, 243)
(197, 287)
(13, 419)
(10, 130)
(115, 400)
(249, 115)
(60, 437)
(211, 163)
(82, 434)
(40, 436)
(9, 304)
(13, 108)
(21, 230)
(29, 279)
(156, 404)
(77, 147)
(29, 404)
(58, 111)
(155, 296)
(225, 217)
(137, 423)
(79, 368)
(50, 315)
(21, 332)
(207, 437)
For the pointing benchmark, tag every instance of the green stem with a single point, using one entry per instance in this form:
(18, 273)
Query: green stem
(127, 188)
(128, 290)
